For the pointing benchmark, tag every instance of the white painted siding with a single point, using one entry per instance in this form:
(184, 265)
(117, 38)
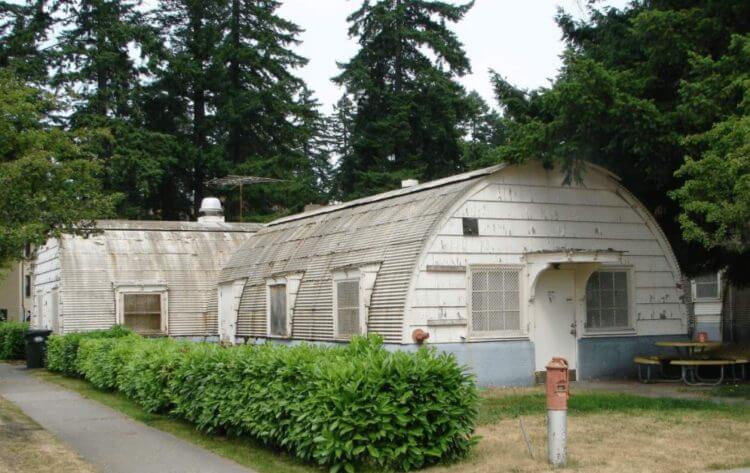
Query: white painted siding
(46, 278)
(176, 254)
(527, 209)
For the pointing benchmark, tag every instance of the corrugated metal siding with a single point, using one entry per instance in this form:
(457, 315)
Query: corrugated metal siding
(390, 230)
(186, 260)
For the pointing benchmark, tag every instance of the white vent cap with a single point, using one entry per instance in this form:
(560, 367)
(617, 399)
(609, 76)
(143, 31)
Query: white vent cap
(211, 206)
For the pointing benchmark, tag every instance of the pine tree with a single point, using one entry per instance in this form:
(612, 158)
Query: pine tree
(484, 132)
(341, 124)
(408, 105)
(23, 29)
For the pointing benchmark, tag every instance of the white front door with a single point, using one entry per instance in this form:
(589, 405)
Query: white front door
(554, 317)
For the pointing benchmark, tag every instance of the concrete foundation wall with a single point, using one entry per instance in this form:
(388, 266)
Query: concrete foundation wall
(612, 357)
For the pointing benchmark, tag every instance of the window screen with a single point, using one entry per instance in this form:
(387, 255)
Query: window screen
(347, 307)
(278, 310)
(607, 300)
(142, 312)
(495, 300)
(707, 286)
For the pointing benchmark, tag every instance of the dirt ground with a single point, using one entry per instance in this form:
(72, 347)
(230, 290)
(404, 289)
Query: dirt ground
(616, 442)
(27, 448)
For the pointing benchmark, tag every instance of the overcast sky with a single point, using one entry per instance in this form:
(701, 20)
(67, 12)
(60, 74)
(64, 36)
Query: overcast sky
(517, 38)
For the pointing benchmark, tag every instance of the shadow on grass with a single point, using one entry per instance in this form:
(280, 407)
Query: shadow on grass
(738, 391)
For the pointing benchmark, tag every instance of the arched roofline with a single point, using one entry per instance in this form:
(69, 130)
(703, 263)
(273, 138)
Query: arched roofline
(620, 190)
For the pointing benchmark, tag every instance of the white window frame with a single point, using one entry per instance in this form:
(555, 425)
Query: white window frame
(135, 288)
(694, 290)
(523, 331)
(350, 275)
(278, 281)
(631, 295)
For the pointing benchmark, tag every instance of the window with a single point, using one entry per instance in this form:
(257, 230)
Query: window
(495, 301)
(706, 287)
(347, 308)
(27, 285)
(607, 301)
(470, 226)
(278, 323)
(142, 312)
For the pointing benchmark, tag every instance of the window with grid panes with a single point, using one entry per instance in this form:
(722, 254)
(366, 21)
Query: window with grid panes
(142, 312)
(495, 301)
(347, 308)
(707, 286)
(277, 293)
(607, 301)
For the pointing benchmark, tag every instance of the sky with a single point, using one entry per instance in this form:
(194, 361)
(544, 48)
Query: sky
(519, 39)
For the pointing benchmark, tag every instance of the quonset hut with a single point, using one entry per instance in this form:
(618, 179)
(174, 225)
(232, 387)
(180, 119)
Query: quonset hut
(156, 277)
(504, 267)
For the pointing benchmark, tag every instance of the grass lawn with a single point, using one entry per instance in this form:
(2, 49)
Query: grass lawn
(607, 433)
(741, 391)
(27, 448)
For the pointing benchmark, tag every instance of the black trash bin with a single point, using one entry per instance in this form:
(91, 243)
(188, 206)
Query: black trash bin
(36, 347)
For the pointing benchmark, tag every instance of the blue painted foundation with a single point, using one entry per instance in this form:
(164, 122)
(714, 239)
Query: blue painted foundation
(612, 357)
(496, 363)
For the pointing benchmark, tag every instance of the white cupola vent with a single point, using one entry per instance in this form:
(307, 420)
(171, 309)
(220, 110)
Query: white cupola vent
(211, 210)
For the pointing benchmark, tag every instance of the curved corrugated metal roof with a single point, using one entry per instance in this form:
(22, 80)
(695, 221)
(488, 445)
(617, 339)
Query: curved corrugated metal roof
(389, 228)
(177, 226)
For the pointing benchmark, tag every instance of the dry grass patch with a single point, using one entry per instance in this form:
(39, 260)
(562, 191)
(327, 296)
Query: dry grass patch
(610, 433)
(27, 448)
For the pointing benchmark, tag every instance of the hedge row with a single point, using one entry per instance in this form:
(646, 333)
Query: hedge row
(343, 407)
(62, 350)
(12, 344)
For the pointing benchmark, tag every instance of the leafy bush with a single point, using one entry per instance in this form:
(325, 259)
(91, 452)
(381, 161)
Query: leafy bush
(62, 350)
(101, 360)
(344, 407)
(341, 407)
(145, 378)
(12, 344)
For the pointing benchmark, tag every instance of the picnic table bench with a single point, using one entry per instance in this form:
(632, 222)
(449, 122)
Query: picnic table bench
(693, 355)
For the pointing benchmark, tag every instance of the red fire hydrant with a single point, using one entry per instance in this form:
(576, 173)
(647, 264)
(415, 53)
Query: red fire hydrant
(558, 393)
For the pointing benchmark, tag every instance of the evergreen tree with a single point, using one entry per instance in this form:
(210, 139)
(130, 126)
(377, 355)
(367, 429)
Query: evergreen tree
(23, 29)
(619, 101)
(189, 76)
(101, 58)
(269, 124)
(408, 104)
(341, 125)
(483, 131)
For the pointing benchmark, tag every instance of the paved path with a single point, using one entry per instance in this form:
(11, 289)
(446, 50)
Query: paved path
(673, 390)
(104, 437)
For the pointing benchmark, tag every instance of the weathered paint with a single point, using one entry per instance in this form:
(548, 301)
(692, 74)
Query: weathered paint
(612, 357)
(85, 272)
(527, 219)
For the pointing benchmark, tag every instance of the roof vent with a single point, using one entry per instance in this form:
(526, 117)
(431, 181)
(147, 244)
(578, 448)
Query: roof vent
(211, 210)
(409, 183)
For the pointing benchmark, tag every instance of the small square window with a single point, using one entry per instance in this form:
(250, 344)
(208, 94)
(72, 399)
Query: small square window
(471, 226)
(707, 286)
(142, 312)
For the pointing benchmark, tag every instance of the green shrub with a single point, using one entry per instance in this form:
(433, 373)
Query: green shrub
(145, 378)
(12, 343)
(101, 360)
(62, 350)
(343, 407)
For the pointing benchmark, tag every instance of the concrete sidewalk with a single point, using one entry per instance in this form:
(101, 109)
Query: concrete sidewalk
(107, 439)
